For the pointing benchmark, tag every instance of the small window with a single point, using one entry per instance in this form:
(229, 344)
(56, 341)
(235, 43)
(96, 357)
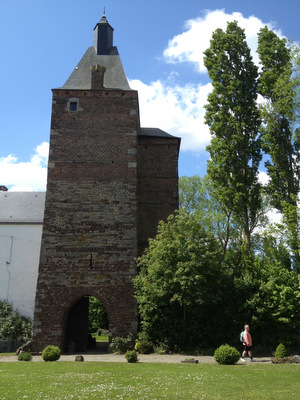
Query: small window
(73, 106)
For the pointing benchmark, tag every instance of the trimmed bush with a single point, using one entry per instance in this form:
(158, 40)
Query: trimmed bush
(131, 356)
(51, 353)
(25, 356)
(280, 351)
(144, 346)
(120, 345)
(226, 355)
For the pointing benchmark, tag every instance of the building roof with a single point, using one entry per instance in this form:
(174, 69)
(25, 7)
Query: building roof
(114, 77)
(156, 132)
(22, 207)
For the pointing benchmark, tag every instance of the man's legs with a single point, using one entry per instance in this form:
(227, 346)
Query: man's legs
(244, 354)
(247, 350)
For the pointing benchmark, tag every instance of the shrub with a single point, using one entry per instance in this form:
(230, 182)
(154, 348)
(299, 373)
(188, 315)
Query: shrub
(144, 344)
(226, 355)
(13, 326)
(120, 345)
(131, 356)
(51, 353)
(162, 348)
(25, 356)
(281, 351)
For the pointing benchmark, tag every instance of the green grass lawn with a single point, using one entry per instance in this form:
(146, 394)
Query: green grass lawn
(100, 338)
(98, 380)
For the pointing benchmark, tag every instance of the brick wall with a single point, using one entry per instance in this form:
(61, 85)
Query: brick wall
(89, 237)
(157, 184)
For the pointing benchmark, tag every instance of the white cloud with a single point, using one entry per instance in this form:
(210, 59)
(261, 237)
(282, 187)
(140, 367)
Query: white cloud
(263, 178)
(177, 110)
(190, 45)
(25, 176)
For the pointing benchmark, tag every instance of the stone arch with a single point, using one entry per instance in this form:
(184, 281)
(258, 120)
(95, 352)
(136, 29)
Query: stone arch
(75, 321)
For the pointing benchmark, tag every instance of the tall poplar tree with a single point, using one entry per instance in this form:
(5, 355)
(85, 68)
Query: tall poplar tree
(281, 139)
(233, 118)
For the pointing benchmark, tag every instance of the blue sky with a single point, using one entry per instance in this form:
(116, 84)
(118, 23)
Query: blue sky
(160, 44)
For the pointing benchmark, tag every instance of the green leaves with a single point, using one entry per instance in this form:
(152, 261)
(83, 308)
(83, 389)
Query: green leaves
(179, 271)
(276, 304)
(234, 121)
(275, 57)
(279, 84)
(13, 326)
(98, 318)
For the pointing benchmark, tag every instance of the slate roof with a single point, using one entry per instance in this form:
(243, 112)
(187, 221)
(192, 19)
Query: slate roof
(114, 77)
(22, 207)
(156, 132)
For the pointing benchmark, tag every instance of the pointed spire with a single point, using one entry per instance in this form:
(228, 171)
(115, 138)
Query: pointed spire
(103, 19)
(103, 36)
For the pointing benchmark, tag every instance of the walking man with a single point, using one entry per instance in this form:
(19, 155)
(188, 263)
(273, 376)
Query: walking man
(247, 344)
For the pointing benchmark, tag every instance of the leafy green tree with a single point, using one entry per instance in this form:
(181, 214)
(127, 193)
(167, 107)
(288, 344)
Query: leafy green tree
(197, 196)
(267, 294)
(13, 326)
(234, 121)
(279, 83)
(98, 318)
(275, 58)
(275, 307)
(180, 286)
(194, 194)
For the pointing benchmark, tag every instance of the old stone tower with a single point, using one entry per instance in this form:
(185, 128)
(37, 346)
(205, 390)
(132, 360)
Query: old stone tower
(109, 183)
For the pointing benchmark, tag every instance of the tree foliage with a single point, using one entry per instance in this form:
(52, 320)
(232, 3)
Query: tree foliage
(275, 305)
(279, 84)
(233, 118)
(187, 290)
(98, 318)
(13, 326)
(198, 196)
(179, 283)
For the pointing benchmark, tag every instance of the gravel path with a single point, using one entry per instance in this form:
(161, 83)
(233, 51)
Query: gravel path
(144, 358)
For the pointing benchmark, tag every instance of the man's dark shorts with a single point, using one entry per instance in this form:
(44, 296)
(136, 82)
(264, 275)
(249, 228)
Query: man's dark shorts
(247, 348)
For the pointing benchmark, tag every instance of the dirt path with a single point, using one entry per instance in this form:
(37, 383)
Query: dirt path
(149, 358)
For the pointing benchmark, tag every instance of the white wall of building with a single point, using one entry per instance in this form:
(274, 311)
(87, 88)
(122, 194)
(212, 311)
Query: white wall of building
(21, 225)
(19, 260)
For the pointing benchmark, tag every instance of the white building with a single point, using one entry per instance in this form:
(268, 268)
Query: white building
(21, 223)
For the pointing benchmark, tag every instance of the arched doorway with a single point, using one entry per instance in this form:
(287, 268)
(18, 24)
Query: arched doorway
(87, 320)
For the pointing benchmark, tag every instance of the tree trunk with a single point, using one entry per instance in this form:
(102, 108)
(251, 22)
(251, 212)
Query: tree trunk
(247, 230)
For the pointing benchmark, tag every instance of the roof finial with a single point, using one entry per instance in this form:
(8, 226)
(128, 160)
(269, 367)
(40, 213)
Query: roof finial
(103, 19)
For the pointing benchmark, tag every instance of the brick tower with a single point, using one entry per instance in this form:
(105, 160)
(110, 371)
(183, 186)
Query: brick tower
(109, 183)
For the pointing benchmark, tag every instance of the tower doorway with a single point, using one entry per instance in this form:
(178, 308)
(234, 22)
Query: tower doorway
(86, 326)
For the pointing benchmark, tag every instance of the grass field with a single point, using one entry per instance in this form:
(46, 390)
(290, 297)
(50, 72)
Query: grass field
(99, 380)
(100, 338)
